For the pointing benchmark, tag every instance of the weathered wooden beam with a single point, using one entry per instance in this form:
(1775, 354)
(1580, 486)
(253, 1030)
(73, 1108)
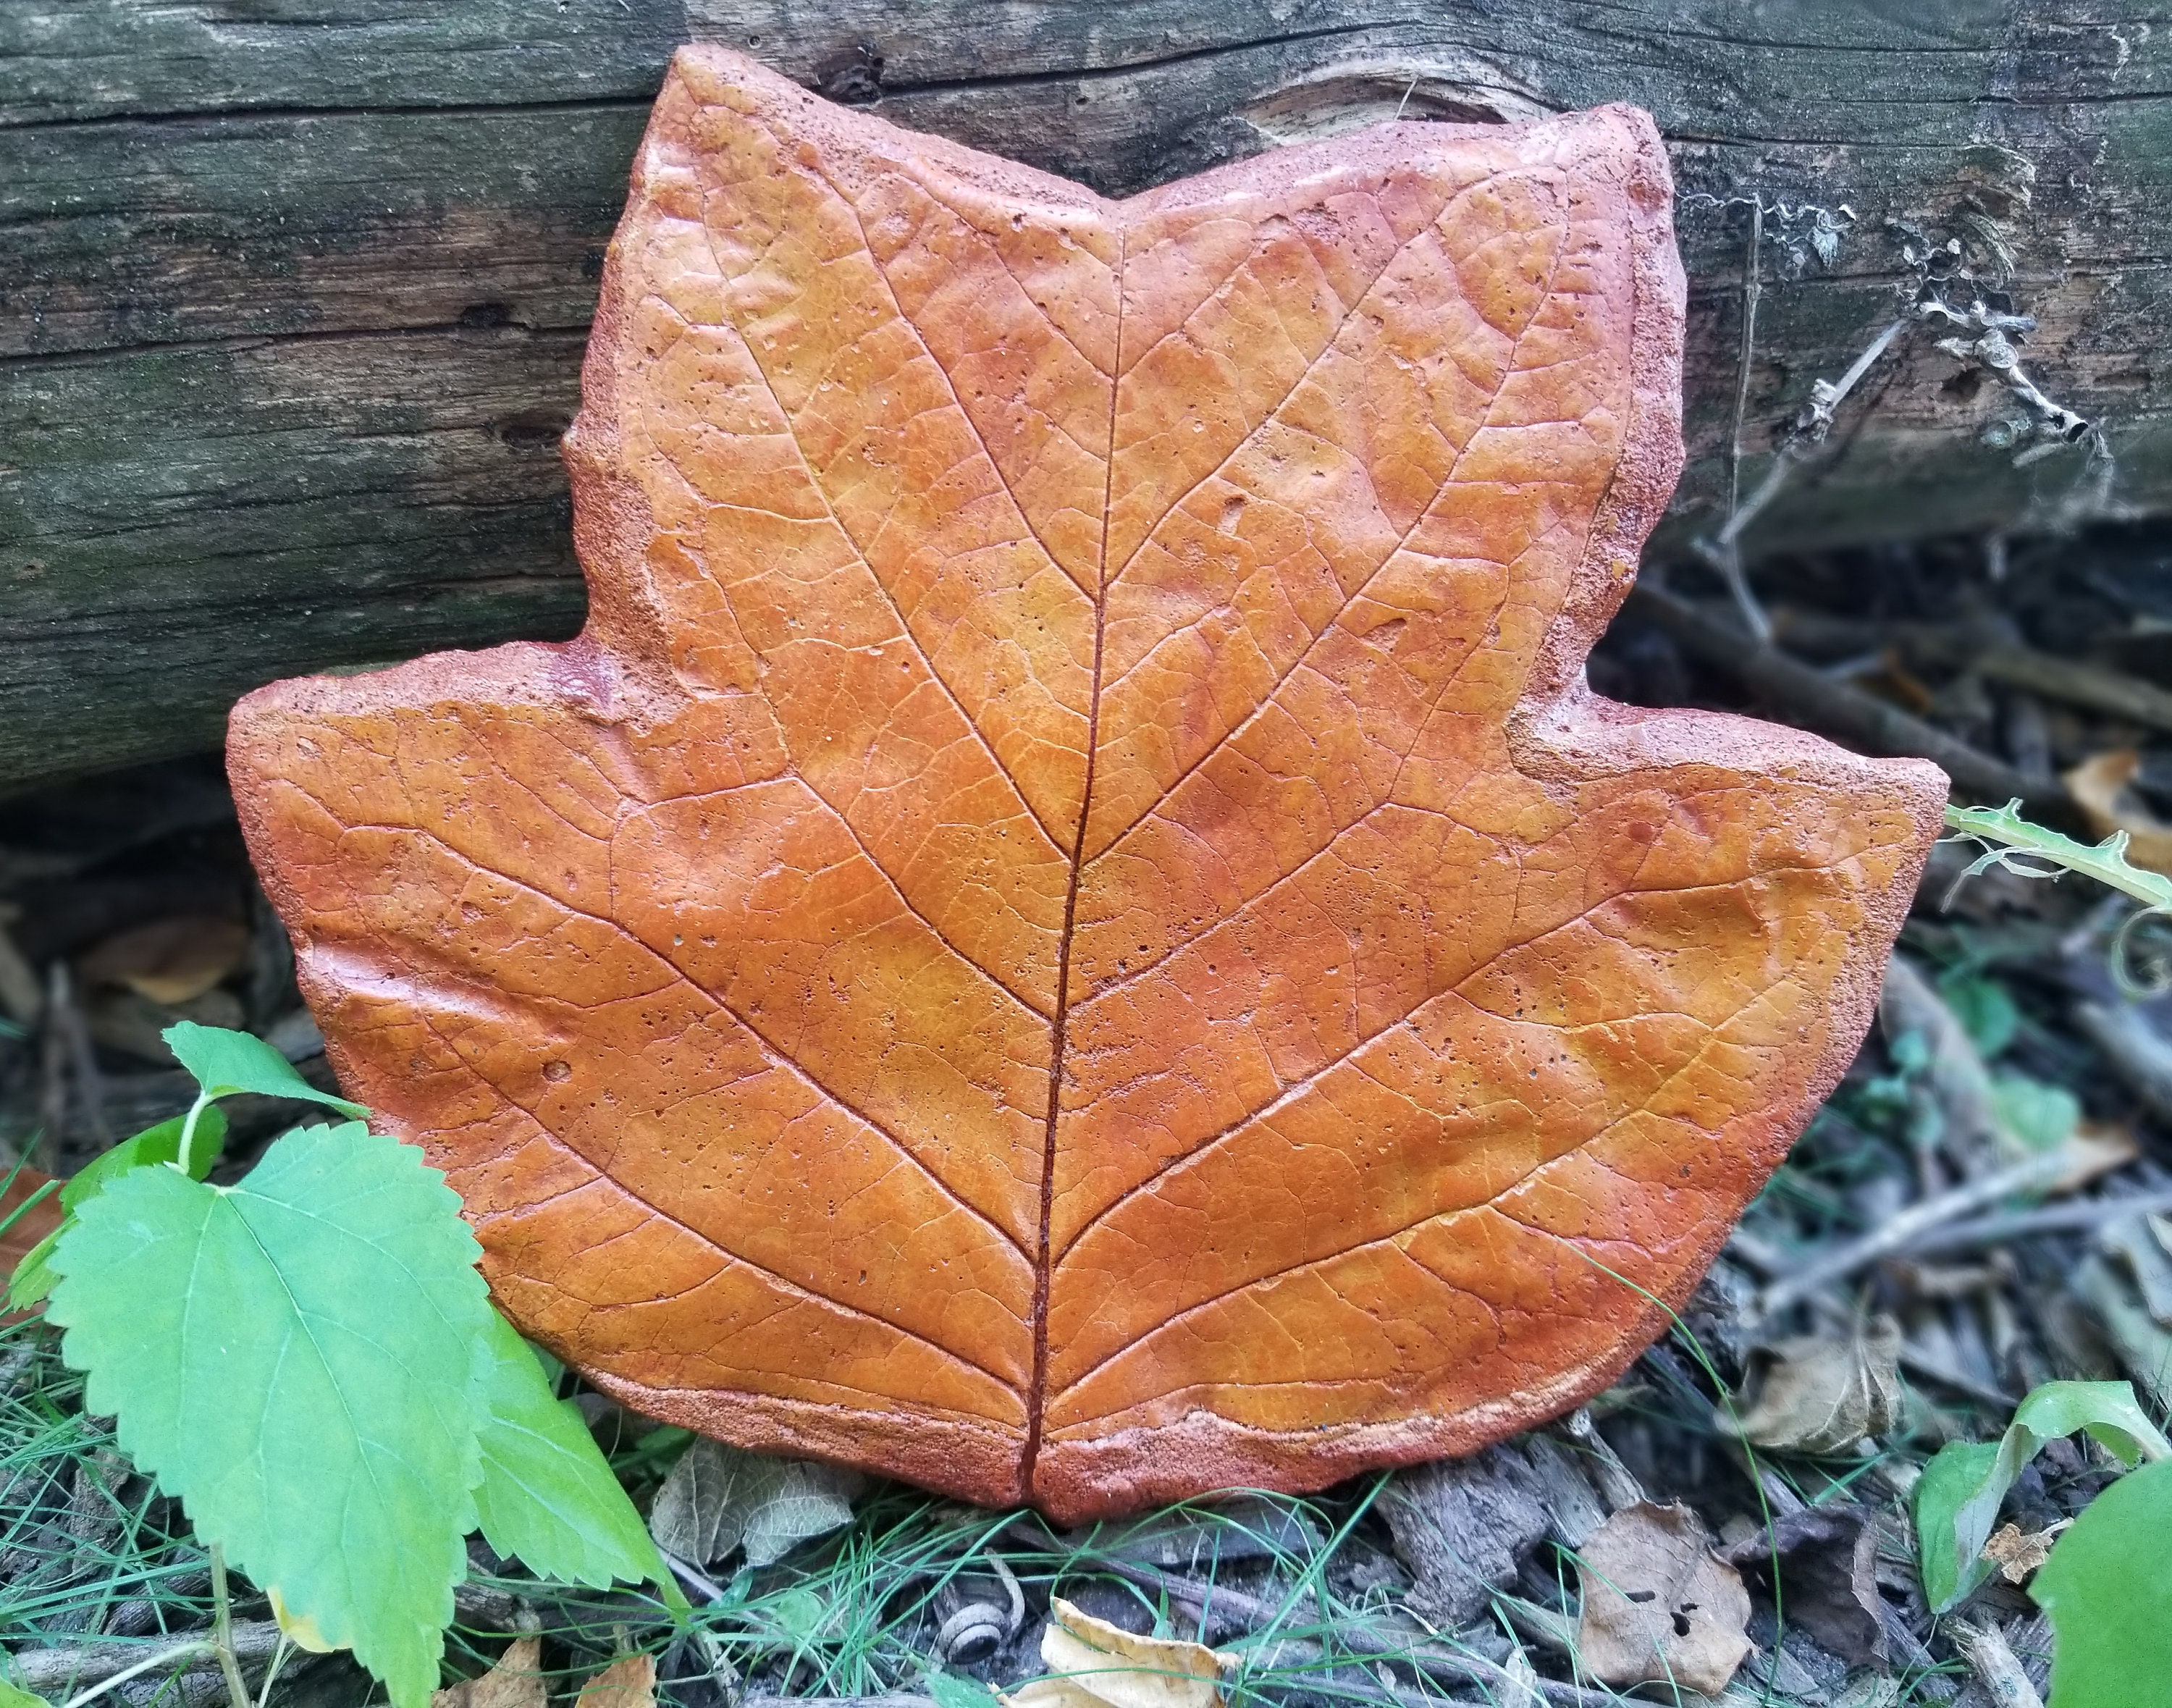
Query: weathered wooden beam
(291, 294)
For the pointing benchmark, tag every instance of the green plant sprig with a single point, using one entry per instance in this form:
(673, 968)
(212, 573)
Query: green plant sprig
(2005, 833)
(309, 1360)
(2002, 833)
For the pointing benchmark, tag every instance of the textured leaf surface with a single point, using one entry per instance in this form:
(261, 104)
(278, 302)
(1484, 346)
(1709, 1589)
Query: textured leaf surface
(294, 1357)
(548, 1496)
(718, 1498)
(33, 1278)
(2110, 1596)
(1071, 928)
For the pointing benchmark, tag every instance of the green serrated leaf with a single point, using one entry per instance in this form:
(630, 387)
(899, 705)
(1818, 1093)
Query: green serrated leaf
(34, 1276)
(2110, 1596)
(14, 1696)
(548, 1496)
(1957, 1497)
(295, 1357)
(225, 1062)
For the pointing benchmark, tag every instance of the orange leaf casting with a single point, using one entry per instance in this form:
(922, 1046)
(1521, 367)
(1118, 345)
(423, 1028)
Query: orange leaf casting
(1071, 930)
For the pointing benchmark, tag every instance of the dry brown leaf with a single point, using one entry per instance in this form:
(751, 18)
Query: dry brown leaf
(515, 1681)
(1659, 1605)
(629, 1682)
(1094, 1664)
(2100, 788)
(40, 1219)
(1826, 1560)
(1070, 929)
(718, 1498)
(171, 961)
(1821, 1393)
(2020, 1552)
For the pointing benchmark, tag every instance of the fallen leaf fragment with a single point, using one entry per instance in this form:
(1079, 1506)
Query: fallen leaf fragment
(1094, 1664)
(34, 1224)
(718, 1498)
(1826, 1560)
(2020, 1552)
(1821, 1393)
(171, 961)
(515, 1681)
(2099, 787)
(1659, 1605)
(628, 1683)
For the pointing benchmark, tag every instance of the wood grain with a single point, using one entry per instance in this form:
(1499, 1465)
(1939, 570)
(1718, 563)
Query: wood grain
(292, 300)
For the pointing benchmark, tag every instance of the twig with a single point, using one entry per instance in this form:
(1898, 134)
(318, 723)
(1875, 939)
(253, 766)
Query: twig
(64, 1014)
(1730, 551)
(22, 998)
(1984, 1648)
(1979, 647)
(163, 1657)
(1917, 1362)
(43, 1671)
(2055, 1218)
(2137, 1054)
(1834, 706)
(2076, 683)
(1808, 433)
(221, 1631)
(701, 1584)
(2037, 1173)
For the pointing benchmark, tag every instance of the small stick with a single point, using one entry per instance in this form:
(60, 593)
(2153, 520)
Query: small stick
(2035, 1174)
(65, 1015)
(2053, 1218)
(1834, 706)
(1992, 1660)
(43, 1671)
(221, 1631)
(2137, 1053)
(1730, 551)
(162, 1658)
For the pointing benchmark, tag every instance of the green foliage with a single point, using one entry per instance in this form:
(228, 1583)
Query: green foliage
(309, 1360)
(2043, 1117)
(1985, 1009)
(546, 1495)
(1957, 1497)
(225, 1062)
(2109, 1595)
(13, 1696)
(2003, 833)
(34, 1276)
(294, 1357)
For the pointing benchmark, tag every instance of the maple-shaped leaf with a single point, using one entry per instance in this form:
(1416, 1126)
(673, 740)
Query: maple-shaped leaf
(1071, 930)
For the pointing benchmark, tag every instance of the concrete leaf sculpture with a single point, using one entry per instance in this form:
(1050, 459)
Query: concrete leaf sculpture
(1070, 929)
